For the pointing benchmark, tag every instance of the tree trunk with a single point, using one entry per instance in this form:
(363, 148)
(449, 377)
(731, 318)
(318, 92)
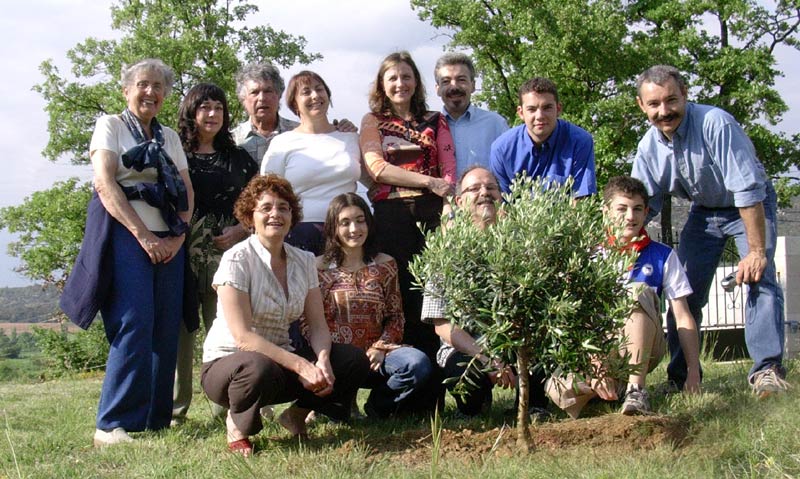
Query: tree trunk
(523, 418)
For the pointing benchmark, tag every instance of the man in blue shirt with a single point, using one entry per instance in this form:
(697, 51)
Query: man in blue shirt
(473, 129)
(700, 153)
(544, 146)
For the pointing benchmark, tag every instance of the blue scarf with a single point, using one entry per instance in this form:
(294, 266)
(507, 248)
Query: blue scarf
(168, 194)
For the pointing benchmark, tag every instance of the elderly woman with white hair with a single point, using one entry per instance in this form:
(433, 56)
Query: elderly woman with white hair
(141, 179)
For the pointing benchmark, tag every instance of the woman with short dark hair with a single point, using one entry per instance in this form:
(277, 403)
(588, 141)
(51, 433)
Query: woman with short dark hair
(263, 286)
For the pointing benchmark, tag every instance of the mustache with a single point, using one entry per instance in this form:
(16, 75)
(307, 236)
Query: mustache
(455, 91)
(669, 117)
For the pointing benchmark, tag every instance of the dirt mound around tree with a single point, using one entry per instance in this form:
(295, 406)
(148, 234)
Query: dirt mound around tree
(611, 431)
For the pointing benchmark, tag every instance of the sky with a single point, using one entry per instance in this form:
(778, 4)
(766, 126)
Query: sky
(353, 37)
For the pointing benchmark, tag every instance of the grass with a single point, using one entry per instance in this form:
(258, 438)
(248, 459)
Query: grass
(48, 427)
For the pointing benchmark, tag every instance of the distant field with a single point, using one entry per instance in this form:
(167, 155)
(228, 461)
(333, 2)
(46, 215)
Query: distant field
(26, 327)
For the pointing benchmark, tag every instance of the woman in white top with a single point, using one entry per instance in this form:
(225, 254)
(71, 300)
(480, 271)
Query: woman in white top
(142, 180)
(319, 161)
(264, 285)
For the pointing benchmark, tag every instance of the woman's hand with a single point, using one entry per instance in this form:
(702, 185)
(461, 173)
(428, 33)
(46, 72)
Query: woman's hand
(155, 247)
(161, 250)
(345, 126)
(315, 377)
(229, 237)
(440, 187)
(324, 364)
(174, 244)
(376, 357)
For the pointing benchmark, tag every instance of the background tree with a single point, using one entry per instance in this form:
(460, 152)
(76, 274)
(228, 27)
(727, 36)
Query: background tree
(202, 40)
(594, 51)
(534, 285)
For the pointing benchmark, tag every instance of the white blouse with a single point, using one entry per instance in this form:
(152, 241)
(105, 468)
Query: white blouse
(246, 267)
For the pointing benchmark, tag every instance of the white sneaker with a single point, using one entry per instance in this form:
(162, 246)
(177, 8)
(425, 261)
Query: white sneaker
(117, 435)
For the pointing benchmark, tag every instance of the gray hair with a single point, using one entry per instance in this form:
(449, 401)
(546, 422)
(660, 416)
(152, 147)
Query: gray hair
(454, 58)
(660, 74)
(258, 72)
(148, 64)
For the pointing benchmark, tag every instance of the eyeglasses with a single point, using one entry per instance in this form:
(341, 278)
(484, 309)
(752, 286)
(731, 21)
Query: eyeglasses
(490, 187)
(281, 208)
(155, 87)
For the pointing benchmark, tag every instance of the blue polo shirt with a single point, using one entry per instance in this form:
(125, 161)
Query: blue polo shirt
(710, 161)
(473, 134)
(569, 151)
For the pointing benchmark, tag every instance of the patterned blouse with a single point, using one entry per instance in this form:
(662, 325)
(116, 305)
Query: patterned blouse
(363, 307)
(423, 146)
(218, 179)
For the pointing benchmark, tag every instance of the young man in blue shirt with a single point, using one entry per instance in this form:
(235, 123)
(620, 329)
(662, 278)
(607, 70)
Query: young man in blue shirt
(544, 146)
(701, 153)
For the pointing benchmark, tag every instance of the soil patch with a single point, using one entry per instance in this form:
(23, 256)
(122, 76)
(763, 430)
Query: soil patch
(608, 432)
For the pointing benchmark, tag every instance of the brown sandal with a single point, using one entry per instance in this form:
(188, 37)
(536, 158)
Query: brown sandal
(243, 447)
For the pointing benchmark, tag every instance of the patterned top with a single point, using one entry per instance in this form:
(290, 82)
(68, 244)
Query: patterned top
(217, 178)
(423, 146)
(434, 307)
(363, 307)
(246, 267)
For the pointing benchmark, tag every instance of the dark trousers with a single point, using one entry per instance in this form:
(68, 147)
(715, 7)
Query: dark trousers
(246, 381)
(476, 395)
(399, 236)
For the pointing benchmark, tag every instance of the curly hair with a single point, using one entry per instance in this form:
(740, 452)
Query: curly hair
(333, 247)
(255, 189)
(187, 114)
(303, 78)
(626, 186)
(260, 73)
(378, 101)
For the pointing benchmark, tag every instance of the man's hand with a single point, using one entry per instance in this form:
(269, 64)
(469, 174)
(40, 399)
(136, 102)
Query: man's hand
(751, 267)
(345, 126)
(606, 388)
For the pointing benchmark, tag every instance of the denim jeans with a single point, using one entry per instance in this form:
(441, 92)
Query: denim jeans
(404, 376)
(141, 316)
(701, 244)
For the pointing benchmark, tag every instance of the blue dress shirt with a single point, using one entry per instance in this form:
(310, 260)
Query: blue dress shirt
(709, 161)
(473, 134)
(569, 151)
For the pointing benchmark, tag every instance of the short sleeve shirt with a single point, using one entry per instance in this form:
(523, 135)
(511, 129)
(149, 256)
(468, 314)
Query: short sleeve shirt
(111, 133)
(246, 267)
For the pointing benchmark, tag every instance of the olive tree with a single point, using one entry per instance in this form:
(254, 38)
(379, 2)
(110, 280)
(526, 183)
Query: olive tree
(541, 286)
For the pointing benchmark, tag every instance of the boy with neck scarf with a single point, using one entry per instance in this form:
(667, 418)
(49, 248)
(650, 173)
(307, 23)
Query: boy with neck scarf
(656, 272)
